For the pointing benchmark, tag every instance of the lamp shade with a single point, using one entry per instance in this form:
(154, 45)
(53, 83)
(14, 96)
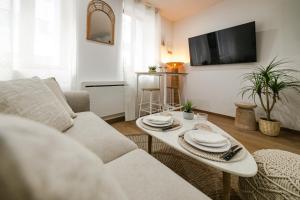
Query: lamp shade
(175, 66)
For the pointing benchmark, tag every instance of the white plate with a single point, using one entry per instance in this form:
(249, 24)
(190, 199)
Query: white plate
(211, 144)
(189, 140)
(156, 125)
(158, 119)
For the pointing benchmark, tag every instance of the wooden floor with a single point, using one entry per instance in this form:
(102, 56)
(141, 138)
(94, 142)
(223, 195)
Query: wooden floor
(252, 140)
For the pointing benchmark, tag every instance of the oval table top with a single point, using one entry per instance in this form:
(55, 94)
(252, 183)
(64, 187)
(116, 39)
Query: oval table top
(245, 168)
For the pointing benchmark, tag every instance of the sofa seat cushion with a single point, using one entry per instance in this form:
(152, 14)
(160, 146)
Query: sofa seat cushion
(143, 177)
(40, 163)
(99, 137)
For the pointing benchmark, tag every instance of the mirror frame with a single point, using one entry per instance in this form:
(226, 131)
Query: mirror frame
(96, 6)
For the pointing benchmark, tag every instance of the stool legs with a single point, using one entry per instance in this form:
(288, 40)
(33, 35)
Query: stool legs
(150, 103)
(141, 103)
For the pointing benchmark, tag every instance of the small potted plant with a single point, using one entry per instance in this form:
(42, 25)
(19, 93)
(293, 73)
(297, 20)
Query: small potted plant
(152, 69)
(187, 110)
(267, 83)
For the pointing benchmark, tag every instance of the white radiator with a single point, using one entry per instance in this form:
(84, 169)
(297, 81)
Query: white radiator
(107, 98)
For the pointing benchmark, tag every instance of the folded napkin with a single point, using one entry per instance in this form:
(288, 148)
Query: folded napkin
(202, 136)
(159, 119)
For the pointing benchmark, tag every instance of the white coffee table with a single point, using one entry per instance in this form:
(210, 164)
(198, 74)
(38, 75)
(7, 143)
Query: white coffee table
(244, 168)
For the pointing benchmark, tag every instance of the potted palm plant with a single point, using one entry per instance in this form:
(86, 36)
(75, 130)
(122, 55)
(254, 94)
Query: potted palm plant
(188, 110)
(267, 83)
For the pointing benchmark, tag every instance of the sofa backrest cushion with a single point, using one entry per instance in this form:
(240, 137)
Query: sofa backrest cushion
(55, 88)
(39, 163)
(32, 99)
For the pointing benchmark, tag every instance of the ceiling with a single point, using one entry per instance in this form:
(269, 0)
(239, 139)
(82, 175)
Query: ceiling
(175, 10)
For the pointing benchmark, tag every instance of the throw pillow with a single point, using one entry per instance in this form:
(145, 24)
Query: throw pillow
(32, 99)
(39, 163)
(54, 87)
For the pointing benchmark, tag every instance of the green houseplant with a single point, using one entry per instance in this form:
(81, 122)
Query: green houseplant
(267, 83)
(152, 69)
(188, 110)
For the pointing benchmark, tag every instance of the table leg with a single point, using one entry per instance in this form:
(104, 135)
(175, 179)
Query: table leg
(137, 96)
(226, 186)
(165, 89)
(149, 144)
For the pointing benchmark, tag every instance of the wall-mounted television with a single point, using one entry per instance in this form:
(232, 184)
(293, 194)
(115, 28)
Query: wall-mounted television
(232, 45)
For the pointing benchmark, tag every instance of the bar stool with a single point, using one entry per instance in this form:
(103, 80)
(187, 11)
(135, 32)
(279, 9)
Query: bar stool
(153, 106)
(171, 92)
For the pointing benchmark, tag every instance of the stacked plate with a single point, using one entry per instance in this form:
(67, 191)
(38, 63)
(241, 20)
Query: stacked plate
(207, 141)
(158, 121)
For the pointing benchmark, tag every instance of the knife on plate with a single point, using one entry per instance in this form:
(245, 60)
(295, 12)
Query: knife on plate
(232, 154)
(229, 151)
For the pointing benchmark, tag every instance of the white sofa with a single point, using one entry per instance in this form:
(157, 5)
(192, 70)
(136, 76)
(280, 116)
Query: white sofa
(140, 175)
(89, 160)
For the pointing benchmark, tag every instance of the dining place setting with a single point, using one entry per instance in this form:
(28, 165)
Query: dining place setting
(160, 123)
(202, 140)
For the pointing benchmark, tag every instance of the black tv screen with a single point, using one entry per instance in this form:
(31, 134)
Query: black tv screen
(232, 45)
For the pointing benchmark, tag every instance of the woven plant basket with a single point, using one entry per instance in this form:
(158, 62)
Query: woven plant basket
(270, 128)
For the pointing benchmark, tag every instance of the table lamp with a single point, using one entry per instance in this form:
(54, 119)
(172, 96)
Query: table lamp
(175, 67)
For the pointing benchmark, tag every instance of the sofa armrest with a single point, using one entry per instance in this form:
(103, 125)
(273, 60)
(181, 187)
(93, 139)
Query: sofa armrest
(79, 101)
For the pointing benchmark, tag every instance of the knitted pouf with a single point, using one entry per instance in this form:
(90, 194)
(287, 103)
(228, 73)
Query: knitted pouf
(278, 177)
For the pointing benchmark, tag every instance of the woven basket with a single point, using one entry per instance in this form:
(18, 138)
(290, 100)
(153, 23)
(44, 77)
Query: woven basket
(270, 128)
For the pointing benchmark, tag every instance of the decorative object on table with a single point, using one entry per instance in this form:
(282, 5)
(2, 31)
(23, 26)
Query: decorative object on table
(201, 117)
(161, 69)
(188, 110)
(277, 178)
(267, 83)
(245, 116)
(100, 22)
(152, 69)
(175, 67)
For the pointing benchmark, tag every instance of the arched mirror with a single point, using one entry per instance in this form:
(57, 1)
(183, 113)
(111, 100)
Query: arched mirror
(100, 22)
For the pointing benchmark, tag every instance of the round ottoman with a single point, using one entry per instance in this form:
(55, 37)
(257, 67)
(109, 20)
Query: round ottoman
(278, 177)
(245, 116)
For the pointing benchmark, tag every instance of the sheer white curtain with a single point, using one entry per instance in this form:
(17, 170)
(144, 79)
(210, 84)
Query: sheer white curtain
(140, 49)
(38, 38)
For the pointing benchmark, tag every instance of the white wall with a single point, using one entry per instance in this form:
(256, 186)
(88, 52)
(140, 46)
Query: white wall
(167, 38)
(97, 61)
(216, 88)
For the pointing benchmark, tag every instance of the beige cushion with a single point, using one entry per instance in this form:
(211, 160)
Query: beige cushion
(32, 99)
(39, 163)
(143, 177)
(99, 137)
(54, 87)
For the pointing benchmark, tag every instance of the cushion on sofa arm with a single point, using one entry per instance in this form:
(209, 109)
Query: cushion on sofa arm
(55, 88)
(99, 137)
(78, 100)
(32, 99)
(143, 177)
(40, 163)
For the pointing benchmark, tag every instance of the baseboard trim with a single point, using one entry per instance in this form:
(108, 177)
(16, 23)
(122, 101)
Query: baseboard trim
(230, 117)
(115, 120)
(218, 114)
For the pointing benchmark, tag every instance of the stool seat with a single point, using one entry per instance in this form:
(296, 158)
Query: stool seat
(150, 89)
(172, 87)
(245, 105)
